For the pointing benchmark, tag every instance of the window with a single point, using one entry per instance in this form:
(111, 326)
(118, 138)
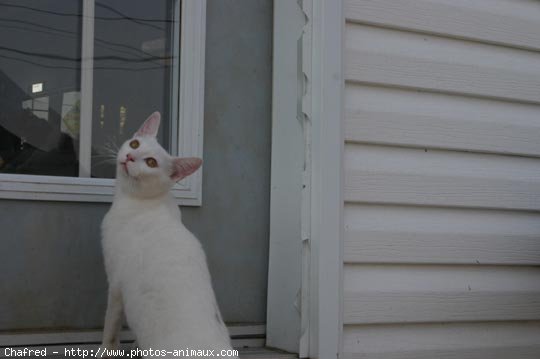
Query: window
(77, 78)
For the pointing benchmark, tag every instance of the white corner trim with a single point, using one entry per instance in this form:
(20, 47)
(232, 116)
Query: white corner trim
(304, 312)
(326, 104)
(306, 116)
(285, 300)
(190, 127)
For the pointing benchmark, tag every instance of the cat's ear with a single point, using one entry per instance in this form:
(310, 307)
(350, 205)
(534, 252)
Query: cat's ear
(150, 127)
(183, 167)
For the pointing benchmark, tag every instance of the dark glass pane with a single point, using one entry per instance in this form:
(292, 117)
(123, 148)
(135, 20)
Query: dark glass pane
(40, 49)
(133, 57)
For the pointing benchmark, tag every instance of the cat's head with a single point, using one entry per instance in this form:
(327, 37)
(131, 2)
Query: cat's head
(145, 169)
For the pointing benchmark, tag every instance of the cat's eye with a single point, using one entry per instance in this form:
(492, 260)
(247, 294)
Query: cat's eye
(151, 162)
(134, 144)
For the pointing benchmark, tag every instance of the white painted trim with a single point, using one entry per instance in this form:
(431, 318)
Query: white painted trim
(284, 297)
(49, 188)
(191, 100)
(305, 115)
(175, 83)
(190, 125)
(326, 86)
(306, 221)
(87, 88)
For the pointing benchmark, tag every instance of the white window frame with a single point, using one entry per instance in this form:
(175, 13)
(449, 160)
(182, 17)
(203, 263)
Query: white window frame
(188, 127)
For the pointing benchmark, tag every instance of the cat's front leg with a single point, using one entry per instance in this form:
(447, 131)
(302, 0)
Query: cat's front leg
(113, 320)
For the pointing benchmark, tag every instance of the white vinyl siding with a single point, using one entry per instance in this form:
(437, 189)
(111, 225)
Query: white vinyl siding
(441, 179)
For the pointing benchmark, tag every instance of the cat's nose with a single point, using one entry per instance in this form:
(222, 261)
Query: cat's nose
(129, 157)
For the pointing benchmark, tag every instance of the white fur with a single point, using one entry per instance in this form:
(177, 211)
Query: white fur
(156, 268)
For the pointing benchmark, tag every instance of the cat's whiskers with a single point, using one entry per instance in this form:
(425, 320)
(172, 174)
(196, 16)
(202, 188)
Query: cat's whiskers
(107, 153)
(110, 146)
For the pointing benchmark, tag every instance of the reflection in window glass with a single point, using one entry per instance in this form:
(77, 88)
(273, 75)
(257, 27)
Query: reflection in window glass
(38, 106)
(39, 62)
(71, 109)
(135, 49)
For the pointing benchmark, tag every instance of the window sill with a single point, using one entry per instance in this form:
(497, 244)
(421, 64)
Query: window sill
(76, 189)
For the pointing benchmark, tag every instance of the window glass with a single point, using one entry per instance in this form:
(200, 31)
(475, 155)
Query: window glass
(135, 57)
(39, 61)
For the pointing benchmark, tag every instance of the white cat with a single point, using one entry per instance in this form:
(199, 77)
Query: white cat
(156, 268)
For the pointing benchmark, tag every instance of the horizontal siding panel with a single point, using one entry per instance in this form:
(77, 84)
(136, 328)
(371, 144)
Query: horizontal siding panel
(391, 307)
(405, 234)
(440, 278)
(453, 248)
(385, 115)
(412, 294)
(513, 23)
(390, 57)
(531, 351)
(443, 341)
(380, 174)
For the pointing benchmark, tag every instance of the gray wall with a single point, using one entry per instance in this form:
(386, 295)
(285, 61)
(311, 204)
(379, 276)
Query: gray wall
(51, 270)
